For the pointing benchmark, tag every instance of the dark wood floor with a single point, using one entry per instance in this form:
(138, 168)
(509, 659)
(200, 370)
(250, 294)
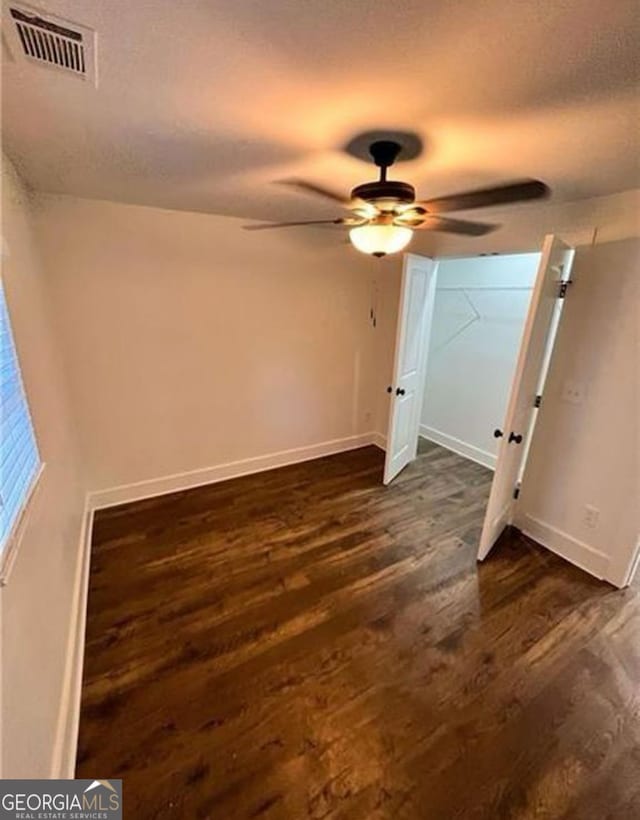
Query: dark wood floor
(307, 643)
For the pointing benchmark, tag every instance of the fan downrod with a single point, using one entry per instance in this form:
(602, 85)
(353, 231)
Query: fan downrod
(384, 153)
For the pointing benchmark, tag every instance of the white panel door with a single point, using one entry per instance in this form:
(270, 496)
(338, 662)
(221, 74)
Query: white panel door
(412, 340)
(555, 266)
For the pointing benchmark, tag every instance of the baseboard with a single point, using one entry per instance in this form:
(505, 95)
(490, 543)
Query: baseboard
(63, 761)
(577, 552)
(462, 448)
(379, 440)
(125, 493)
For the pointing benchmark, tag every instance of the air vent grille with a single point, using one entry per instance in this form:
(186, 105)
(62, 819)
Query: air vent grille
(49, 42)
(35, 37)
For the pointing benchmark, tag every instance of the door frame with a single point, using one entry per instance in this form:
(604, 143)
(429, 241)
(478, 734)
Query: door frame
(408, 258)
(633, 566)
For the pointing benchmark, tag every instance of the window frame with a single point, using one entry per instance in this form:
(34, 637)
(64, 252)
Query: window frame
(10, 545)
(9, 549)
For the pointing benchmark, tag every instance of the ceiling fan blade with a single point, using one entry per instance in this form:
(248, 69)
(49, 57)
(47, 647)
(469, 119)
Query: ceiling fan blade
(500, 195)
(318, 190)
(263, 226)
(439, 223)
(366, 210)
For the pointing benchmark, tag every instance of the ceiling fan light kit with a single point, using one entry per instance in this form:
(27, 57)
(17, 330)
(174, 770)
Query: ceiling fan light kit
(383, 214)
(379, 240)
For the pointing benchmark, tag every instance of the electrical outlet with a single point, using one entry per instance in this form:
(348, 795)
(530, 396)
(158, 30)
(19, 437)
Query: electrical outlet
(590, 516)
(574, 392)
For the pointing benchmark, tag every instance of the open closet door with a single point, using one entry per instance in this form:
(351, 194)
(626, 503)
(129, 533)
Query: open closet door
(555, 266)
(412, 340)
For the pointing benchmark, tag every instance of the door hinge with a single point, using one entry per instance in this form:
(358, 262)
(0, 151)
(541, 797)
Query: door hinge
(537, 401)
(516, 491)
(562, 288)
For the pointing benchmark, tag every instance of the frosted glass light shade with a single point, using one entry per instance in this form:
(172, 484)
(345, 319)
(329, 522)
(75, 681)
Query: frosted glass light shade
(380, 240)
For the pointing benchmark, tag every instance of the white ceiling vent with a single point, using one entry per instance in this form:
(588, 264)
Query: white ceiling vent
(52, 41)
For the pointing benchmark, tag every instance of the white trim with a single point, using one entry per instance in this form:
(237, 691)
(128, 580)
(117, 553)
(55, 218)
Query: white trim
(125, 493)
(12, 543)
(63, 761)
(380, 440)
(566, 546)
(462, 448)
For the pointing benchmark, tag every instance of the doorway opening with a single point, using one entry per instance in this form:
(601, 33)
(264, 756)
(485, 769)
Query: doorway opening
(479, 311)
(474, 341)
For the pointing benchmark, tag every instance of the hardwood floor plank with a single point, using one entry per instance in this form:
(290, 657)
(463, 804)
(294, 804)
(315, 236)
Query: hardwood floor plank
(308, 643)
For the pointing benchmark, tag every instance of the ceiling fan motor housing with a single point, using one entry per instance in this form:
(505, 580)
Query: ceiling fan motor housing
(401, 192)
(383, 190)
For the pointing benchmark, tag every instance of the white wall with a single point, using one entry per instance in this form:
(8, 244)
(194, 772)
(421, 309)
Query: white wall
(36, 603)
(589, 453)
(191, 343)
(479, 312)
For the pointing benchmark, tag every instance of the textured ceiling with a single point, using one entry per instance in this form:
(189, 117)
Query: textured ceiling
(202, 105)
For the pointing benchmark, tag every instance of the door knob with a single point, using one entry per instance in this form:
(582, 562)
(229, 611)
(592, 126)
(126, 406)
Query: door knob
(497, 433)
(389, 389)
(514, 437)
(399, 391)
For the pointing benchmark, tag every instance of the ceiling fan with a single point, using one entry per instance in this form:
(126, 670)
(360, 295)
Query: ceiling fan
(384, 213)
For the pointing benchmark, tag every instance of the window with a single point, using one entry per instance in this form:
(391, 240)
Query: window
(19, 458)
